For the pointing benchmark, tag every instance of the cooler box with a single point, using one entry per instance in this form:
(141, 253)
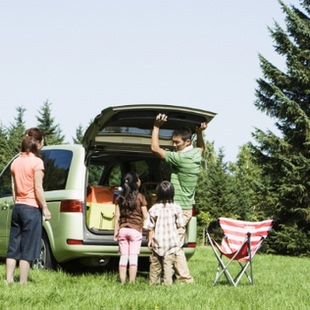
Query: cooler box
(100, 215)
(100, 194)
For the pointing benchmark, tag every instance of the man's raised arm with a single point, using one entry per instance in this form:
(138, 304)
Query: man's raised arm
(159, 121)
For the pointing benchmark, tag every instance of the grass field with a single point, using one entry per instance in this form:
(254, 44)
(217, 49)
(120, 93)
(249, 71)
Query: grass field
(280, 283)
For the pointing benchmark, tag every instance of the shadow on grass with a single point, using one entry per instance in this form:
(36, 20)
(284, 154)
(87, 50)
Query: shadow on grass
(75, 268)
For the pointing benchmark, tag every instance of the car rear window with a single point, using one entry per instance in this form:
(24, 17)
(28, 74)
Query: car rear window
(141, 123)
(125, 130)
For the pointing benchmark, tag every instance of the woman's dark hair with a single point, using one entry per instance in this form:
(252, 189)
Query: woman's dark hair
(165, 192)
(128, 197)
(185, 133)
(33, 136)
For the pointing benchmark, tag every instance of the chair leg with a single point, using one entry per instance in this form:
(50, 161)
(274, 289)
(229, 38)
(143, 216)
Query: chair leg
(244, 271)
(223, 269)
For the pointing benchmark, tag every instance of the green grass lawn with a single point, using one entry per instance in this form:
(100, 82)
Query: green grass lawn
(280, 283)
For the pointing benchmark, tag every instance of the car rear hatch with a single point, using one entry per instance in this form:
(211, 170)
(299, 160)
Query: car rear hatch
(129, 127)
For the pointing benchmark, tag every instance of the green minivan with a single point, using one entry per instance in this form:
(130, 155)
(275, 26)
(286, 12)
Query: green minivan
(82, 181)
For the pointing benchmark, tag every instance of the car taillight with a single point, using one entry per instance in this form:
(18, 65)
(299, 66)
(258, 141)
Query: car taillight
(194, 211)
(74, 242)
(191, 245)
(71, 206)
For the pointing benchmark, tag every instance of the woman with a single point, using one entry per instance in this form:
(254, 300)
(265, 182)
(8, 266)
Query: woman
(130, 213)
(26, 225)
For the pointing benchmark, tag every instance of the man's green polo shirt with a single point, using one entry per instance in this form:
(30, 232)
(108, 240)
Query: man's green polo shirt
(185, 171)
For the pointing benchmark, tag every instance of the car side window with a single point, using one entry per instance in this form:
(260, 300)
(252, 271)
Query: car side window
(5, 183)
(57, 166)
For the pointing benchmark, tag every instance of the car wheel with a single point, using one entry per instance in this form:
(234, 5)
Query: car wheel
(46, 259)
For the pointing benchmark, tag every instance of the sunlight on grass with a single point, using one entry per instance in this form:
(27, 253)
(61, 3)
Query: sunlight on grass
(280, 283)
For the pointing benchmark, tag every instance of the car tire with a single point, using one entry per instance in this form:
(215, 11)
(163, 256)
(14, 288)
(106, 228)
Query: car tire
(46, 259)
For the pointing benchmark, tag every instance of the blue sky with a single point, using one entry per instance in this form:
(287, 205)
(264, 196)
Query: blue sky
(84, 56)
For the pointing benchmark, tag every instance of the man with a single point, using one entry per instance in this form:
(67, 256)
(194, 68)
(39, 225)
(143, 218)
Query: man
(185, 161)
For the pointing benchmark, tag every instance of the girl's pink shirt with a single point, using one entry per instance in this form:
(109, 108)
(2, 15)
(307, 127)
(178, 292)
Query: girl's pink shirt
(24, 168)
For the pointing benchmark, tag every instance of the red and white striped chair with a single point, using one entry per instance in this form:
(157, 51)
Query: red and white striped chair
(241, 241)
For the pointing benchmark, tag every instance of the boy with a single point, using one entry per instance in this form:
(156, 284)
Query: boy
(163, 220)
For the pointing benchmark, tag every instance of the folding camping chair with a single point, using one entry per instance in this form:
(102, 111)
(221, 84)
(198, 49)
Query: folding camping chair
(241, 241)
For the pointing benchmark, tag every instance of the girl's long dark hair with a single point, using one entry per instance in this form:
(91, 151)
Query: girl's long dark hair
(128, 197)
(33, 136)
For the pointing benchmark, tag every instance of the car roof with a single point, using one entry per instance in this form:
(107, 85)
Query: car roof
(129, 127)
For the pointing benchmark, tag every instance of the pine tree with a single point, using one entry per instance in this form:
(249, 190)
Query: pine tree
(11, 137)
(285, 159)
(4, 147)
(79, 133)
(16, 132)
(53, 133)
(247, 176)
(214, 192)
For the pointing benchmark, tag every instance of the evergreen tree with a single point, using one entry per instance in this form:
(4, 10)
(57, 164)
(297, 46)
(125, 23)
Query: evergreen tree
(10, 138)
(285, 159)
(215, 193)
(53, 133)
(4, 147)
(247, 176)
(202, 188)
(79, 133)
(15, 133)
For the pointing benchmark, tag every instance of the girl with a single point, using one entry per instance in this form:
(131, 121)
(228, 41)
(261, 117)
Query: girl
(130, 213)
